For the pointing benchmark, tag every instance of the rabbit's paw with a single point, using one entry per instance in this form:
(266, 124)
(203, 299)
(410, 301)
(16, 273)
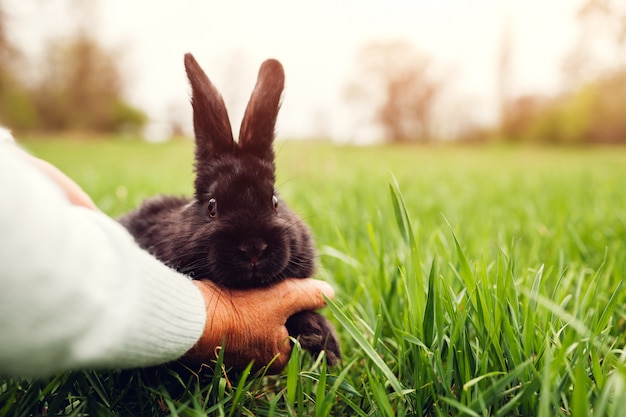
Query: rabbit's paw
(315, 333)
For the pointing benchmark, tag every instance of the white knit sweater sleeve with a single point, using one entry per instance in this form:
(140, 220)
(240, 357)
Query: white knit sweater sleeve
(75, 289)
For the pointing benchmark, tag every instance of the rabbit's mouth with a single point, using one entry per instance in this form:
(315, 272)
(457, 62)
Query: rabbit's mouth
(251, 265)
(260, 271)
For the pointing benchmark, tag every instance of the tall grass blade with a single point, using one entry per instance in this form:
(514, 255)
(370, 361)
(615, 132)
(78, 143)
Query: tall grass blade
(240, 390)
(413, 278)
(401, 214)
(349, 326)
(429, 312)
(293, 369)
(464, 410)
(580, 400)
(379, 391)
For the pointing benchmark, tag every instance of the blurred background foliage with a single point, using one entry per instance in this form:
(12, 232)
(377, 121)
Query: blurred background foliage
(79, 87)
(592, 107)
(594, 112)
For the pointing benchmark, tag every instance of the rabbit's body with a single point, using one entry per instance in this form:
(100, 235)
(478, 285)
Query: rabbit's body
(235, 231)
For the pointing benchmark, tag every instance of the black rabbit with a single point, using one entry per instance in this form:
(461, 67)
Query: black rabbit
(235, 230)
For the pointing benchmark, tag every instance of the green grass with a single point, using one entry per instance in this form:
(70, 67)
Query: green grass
(470, 281)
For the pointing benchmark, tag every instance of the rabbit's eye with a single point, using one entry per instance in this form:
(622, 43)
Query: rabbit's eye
(212, 207)
(275, 202)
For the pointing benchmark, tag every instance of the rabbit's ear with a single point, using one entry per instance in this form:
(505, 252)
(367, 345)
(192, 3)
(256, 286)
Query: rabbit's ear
(210, 118)
(257, 128)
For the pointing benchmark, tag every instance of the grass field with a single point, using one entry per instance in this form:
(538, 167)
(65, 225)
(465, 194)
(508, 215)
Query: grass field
(480, 281)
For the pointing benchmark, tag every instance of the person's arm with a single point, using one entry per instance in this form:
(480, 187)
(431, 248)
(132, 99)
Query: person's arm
(75, 289)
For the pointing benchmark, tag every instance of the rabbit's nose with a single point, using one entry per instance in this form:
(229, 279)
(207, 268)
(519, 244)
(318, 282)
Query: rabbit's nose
(253, 250)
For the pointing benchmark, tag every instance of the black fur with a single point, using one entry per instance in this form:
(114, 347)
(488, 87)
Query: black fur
(235, 230)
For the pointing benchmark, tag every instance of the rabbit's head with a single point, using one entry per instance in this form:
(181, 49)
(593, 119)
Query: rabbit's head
(242, 233)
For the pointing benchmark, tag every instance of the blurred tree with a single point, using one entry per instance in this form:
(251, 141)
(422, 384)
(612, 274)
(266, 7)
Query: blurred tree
(79, 85)
(598, 109)
(601, 43)
(505, 68)
(16, 107)
(397, 79)
(82, 88)
(518, 114)
(596, 72)
(593, 108)
(594, 113)
(7, 52)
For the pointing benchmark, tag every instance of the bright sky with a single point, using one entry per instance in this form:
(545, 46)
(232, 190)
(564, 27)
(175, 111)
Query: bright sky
(317, 42)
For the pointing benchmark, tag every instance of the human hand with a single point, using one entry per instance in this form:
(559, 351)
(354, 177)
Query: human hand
(252, 322)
